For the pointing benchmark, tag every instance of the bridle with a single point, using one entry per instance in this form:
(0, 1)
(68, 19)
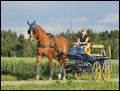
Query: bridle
(34, 31)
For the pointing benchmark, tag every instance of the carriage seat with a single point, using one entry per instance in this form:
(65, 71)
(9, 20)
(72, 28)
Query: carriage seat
(91, 46)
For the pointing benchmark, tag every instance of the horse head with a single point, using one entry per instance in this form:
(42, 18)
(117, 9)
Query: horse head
(31, 30)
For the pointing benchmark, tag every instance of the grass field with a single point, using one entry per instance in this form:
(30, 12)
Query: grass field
(14, 72)
(68, 85)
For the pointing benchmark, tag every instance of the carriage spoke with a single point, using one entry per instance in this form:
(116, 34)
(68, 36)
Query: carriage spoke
(106, 71)
(96, 71)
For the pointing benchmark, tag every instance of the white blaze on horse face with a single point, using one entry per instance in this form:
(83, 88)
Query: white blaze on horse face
(31, 36)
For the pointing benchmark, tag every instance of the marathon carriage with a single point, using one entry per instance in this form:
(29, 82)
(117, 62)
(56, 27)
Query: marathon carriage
(98, 65)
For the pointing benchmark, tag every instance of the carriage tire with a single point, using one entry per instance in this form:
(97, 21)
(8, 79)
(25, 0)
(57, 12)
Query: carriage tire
(106, 71)
(96, 71)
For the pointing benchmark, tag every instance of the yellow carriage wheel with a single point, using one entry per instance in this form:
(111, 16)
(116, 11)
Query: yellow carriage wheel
(96, 71)
(106, 71)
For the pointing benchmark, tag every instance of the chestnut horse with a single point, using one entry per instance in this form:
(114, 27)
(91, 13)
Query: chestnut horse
(51, 47)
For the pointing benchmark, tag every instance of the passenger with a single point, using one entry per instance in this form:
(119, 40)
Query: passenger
(83, 40)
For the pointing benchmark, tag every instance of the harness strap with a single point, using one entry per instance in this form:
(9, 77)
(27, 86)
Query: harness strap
(52, 44)
(44, 46)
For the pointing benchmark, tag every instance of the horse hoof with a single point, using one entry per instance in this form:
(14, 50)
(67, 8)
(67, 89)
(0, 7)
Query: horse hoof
(36, 78)
(59, 77)
(64, 78)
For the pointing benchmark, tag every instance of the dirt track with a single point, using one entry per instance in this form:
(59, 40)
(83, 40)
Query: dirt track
(47, 81)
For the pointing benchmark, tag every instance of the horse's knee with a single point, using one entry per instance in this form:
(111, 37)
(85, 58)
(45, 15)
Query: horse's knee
(39, 57)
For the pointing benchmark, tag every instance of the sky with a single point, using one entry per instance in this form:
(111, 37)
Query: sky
(59, 16)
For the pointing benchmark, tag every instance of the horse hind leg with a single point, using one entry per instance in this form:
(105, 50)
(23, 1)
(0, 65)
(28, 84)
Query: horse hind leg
(62, 74)
(63, 69)
(50, 67)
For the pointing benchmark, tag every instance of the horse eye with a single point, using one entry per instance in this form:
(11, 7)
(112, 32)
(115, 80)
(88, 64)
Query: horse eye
(28, 31)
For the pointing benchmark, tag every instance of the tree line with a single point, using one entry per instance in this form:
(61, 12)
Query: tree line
(18, 46)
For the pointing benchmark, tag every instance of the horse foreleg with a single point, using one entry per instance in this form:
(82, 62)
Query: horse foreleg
(39, 57)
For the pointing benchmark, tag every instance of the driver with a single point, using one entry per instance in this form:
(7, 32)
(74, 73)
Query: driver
(83, 39)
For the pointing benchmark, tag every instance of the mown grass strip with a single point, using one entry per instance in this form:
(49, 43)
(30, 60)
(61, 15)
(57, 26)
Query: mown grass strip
(69, 85)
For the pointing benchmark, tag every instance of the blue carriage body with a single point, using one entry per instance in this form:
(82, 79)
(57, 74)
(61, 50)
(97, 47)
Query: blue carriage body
(78, 54)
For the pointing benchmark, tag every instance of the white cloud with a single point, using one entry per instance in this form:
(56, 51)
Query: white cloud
(55, 28)
(110, 19)
(22, 30)
(59, 27)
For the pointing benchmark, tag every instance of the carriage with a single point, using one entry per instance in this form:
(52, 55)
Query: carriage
(96, 64)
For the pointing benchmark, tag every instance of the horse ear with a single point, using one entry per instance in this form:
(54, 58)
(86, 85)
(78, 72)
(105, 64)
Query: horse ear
(28, 23)
(34, 22)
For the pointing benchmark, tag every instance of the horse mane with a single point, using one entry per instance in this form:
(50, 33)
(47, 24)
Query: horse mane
(38, 26)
